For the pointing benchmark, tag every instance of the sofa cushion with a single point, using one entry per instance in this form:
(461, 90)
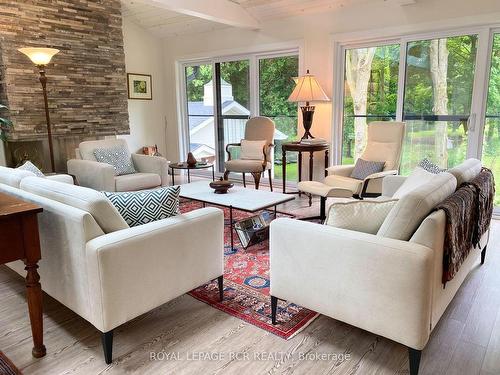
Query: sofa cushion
(91, 201)
(119, 157)
(137, 181)
(13, 176)
(361, 216)
(86, 148)
(252, 150)
(29, 166)
(412, 208)
(417, 178)
(142, 207)
(364, 168)
(466, 171)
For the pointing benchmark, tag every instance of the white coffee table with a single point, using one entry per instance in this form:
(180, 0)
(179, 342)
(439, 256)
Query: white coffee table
(238, 197)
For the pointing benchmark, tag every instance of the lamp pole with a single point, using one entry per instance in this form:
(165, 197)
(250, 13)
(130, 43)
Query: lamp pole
(41, 57)
(43, 81)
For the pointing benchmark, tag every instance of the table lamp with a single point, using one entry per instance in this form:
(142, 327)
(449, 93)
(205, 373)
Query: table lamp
(307, 89)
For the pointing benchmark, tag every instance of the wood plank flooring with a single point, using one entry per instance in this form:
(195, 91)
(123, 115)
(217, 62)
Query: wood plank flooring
(466, 340)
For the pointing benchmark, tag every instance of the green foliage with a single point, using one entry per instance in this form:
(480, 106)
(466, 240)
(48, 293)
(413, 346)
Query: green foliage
(5, 124)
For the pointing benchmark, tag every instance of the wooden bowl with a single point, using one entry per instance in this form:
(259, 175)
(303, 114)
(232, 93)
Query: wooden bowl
(221, 187)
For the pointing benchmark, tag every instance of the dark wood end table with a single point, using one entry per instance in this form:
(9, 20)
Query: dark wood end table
(185, 166)
(300, 148)
(19, 230)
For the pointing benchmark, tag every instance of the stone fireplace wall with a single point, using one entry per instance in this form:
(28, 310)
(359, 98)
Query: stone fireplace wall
(87, 86)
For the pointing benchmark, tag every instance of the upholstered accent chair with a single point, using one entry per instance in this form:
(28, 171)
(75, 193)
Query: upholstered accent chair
(256, 129)
(151, 171)
(384, 144)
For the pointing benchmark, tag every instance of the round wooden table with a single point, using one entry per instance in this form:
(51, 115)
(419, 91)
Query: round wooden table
(300, 148)
(185, 166)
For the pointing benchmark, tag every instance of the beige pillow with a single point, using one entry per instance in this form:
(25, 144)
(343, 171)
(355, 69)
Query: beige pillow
(252, 150)
(360, 216)
(418, 177)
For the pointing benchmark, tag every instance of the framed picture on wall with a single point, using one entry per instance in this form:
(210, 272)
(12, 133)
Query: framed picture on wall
(139, 86)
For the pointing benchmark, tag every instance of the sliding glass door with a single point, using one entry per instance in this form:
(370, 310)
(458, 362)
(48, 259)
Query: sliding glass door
(222, 94)
(370, 93)
(437, 100)
(491, 135)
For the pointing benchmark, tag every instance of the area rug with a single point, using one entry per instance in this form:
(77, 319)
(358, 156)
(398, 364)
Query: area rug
(246, 285)
(7, 367)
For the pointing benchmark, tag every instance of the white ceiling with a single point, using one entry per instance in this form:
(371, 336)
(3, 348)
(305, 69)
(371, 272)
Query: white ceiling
(166, 23)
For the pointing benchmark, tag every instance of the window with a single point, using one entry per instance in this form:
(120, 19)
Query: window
(370, 94)
(491, 136)
(275, 85)
(221, 95)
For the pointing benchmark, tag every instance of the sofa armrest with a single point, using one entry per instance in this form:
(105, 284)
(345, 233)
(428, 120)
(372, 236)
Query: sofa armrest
(390, 184)
(379, 284)
(152, 164)
(341, 170)
(66, 178)
(138, 269)
(92, 174)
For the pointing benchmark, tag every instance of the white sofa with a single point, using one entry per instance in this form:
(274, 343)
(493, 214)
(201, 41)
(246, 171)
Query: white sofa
(388, 286)
(152, 171)
(106, 272)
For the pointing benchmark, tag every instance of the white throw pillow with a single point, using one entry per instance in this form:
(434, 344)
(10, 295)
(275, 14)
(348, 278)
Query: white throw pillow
(252, 150)
(417, 178)
(361, 216)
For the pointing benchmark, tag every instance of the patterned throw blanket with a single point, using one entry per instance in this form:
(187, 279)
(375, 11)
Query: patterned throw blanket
(468, 216)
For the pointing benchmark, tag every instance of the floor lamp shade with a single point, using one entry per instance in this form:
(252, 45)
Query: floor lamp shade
(307, 89)
(41, 57)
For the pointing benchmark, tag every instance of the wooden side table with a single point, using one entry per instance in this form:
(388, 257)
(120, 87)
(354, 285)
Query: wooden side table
(300, 148)
(20, 240)
(185, 166)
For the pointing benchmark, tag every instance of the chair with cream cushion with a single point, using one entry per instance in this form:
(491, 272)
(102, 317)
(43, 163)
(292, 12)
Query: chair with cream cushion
(383, 277)
(110, 273)
(384, 144)
(152, 171)
(258, 145)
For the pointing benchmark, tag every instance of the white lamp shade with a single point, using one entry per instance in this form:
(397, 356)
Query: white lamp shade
(307, 89)
(39, 56)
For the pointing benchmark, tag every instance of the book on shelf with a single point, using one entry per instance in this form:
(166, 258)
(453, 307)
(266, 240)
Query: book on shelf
(313, 141)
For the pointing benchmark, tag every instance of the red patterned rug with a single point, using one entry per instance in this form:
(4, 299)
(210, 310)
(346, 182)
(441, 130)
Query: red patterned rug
(246, 285)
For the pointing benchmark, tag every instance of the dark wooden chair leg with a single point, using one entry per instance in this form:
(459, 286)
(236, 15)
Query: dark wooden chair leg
(244, 180)
(107, 345)
(270, 179)
(414, 356)
(483, 254)
(220, 281)
(274, 308)
(322, 208)
(256, 178)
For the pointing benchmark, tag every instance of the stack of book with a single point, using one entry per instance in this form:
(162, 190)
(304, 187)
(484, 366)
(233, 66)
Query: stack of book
(313, 141)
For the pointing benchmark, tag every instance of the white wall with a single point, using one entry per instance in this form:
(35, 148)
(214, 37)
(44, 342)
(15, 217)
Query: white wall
(314, 34)
(144, 54)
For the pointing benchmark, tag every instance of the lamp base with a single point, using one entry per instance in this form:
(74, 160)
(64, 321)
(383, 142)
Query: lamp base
(307, 119)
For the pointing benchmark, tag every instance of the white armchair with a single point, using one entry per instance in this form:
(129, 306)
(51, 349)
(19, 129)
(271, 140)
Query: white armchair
(152, 171)
(384, 143)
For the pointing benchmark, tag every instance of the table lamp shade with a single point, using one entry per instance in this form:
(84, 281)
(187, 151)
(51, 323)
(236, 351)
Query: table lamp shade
(39, 56)
(307, 89)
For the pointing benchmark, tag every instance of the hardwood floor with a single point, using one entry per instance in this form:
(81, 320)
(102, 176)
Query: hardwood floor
(466, 340)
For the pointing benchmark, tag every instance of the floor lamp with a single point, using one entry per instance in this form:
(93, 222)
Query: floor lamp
(41, 57)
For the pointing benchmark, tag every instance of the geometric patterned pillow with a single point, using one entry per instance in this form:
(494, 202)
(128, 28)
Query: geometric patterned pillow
(141, 207)
(364, 168)
(429, 166)
(118, 157)
(30, 167)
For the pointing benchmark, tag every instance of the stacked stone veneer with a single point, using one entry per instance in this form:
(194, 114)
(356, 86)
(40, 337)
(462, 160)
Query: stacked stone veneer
(87, 85)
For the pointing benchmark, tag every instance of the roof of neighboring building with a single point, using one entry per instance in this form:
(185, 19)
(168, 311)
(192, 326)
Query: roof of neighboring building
(199, 113)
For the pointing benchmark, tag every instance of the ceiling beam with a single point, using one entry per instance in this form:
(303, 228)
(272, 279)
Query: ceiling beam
(221, 11)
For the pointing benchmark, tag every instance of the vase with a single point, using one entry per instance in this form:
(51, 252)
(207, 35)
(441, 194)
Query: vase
(191, 160)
